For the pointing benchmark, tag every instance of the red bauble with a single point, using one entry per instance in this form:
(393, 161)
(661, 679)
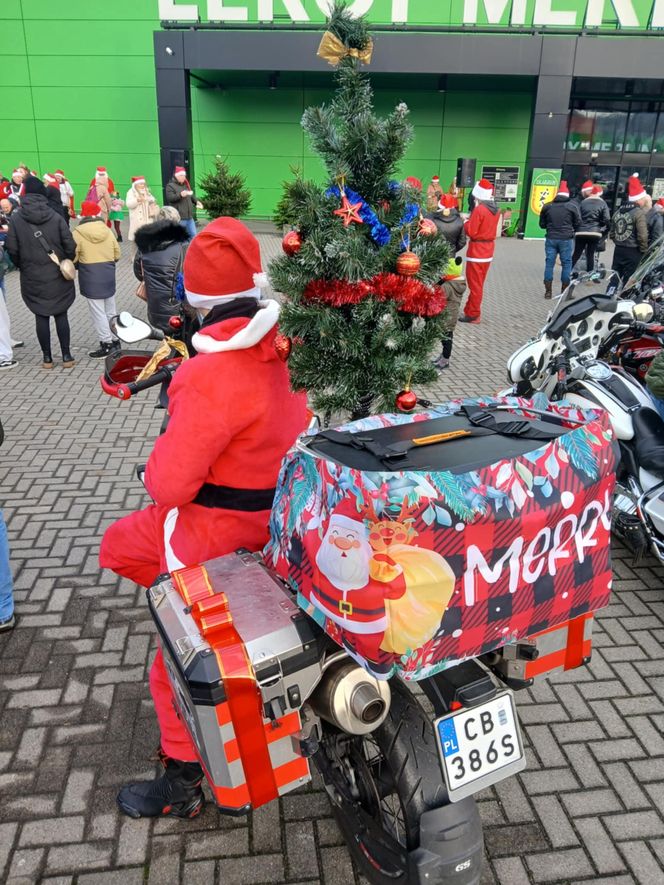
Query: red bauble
(283, 346)
(292, 242)
(408, 264)
(427, 228)
(406, 401)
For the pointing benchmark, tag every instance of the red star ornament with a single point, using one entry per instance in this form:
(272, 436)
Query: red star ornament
(349, 212)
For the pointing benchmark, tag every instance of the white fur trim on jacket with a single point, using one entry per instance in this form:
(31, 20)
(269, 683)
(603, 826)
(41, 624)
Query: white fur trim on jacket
(481, 193)
(212, 301)
(256, 329)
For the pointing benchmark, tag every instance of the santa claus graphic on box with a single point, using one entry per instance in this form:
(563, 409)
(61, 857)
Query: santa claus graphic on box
(369, 603)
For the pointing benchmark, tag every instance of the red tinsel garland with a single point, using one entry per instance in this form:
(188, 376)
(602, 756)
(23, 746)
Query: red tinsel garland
(409, 294)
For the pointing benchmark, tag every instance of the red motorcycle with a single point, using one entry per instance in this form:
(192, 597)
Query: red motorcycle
(634, 348)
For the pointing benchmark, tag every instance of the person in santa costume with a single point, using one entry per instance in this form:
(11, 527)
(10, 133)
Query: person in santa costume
(16, 187)
(142, 205)
(53, 196)
(629, 229)
(180, 195)
(66, 193)
(434, 193)
(481, 230)
(212, 474)
(101, 188)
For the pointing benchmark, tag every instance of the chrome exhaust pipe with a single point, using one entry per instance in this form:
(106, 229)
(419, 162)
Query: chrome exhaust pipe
(351, 698)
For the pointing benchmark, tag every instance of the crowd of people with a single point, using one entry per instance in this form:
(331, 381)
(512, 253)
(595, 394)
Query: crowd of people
(36, 214)
(581, 225)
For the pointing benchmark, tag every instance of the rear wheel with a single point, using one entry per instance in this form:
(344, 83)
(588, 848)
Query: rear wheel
(382, 783)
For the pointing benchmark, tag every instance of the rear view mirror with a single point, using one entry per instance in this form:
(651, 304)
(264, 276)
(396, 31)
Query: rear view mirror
(129, 328)
(643, 312)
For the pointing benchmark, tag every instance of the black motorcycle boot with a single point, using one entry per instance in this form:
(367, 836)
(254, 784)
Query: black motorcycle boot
(177, 792)
(548, 287)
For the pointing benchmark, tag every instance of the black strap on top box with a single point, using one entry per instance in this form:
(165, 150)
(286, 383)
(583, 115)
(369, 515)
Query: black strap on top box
(473, 437)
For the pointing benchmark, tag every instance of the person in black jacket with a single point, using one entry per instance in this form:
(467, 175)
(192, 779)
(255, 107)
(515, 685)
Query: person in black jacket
(629, 230)
(180, 196)
(654, 220)
(55, 202)
(43, 288)
(161, 250)
(595, 223)
(560, 219)
(449, 222)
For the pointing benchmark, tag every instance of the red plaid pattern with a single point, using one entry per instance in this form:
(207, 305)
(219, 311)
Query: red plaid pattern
(574, 573)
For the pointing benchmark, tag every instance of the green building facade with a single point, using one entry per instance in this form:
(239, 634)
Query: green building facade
(81, 88)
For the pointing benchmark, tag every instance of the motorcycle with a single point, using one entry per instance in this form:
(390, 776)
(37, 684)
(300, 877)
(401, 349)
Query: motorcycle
(401, 771)
(635, 348)
(646, 283)
(563, 362)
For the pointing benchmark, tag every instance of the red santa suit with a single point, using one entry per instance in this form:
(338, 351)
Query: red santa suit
(482, 230)
(100, 174)
(232, 419)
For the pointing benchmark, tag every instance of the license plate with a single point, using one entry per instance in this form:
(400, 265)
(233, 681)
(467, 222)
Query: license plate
(479, 746)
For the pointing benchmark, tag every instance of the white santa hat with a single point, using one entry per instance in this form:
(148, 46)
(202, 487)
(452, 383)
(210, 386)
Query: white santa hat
(223, 261)
(338, 520)
(483, 190)
(137, 179)
(635, 189)
(100, 172)
(50, 180)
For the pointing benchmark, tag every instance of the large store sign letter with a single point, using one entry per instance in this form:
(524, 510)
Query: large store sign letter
(495, 11)
(219, 11)
(624, 11)
(541, 13)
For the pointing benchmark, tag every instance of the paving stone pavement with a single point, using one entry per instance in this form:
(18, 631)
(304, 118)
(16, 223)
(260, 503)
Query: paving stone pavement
(75, 715)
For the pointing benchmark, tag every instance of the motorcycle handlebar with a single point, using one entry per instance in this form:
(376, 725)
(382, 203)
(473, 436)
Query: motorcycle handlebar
(126, 391)
(164, 374)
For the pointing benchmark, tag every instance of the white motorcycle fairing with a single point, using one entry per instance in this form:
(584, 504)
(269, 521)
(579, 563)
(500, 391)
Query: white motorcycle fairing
(613, 396)
(587, 334)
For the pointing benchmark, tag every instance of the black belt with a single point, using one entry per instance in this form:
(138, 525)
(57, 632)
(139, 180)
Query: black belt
(347, 607)
(228, 498)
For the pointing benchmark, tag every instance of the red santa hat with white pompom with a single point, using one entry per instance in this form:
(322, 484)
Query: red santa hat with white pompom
(483, 190)
(635, 189)
(223, 263)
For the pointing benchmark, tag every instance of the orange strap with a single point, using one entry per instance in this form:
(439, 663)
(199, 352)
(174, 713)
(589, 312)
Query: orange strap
(212, 614)
(574, 651)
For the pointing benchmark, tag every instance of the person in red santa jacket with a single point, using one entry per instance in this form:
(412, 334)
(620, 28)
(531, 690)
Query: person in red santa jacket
(212, 474)
(482, 230)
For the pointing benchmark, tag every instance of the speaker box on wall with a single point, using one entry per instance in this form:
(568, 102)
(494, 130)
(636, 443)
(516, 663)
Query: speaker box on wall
(465, 174)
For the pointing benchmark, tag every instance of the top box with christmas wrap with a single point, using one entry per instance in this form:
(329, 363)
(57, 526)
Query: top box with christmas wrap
(417, 541)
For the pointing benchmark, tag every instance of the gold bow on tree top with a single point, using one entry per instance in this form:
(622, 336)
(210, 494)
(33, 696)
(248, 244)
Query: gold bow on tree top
(333, 50)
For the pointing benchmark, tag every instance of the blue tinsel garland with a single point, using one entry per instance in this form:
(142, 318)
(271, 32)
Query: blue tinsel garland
(380, 233)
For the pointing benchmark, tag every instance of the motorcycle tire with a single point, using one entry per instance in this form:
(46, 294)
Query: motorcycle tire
(396, 776)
